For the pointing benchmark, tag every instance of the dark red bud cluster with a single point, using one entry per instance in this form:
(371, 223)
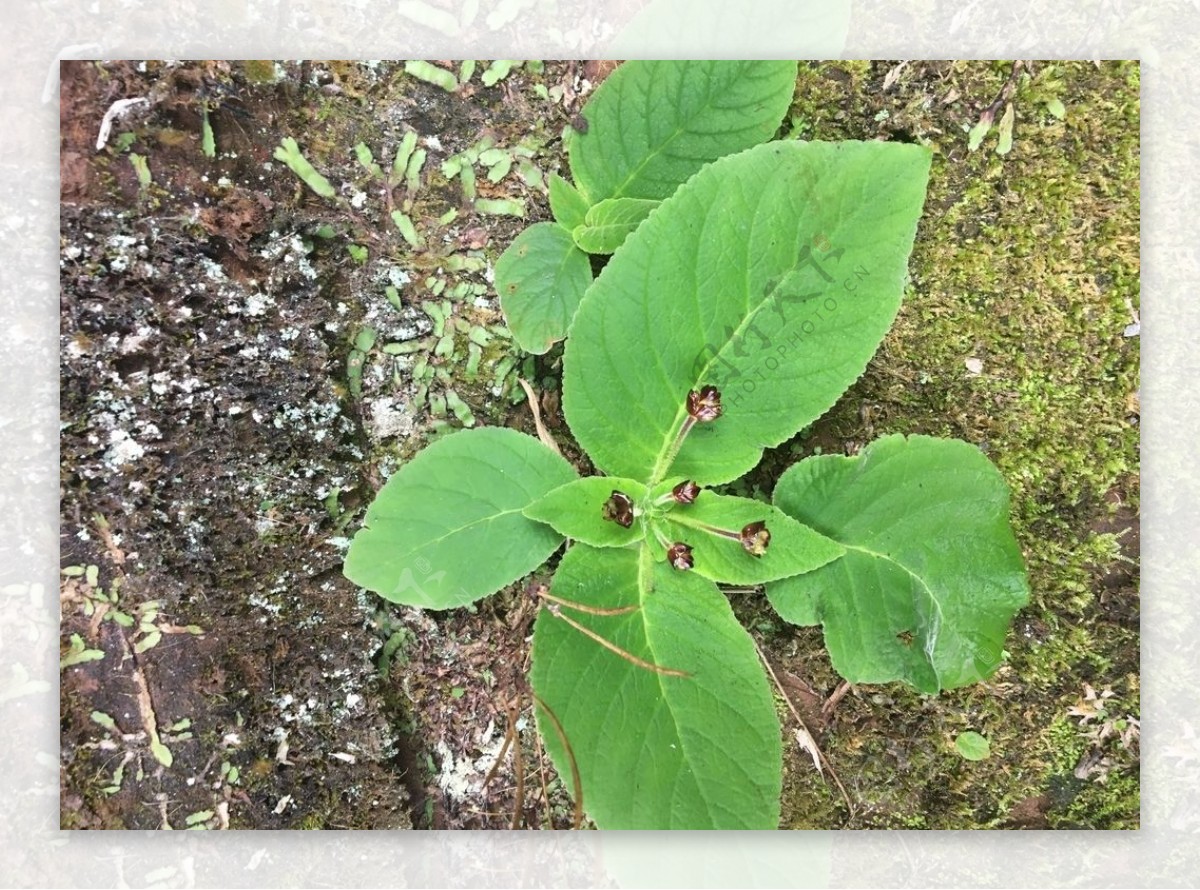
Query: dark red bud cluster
(755, 537)
(685, 492)
(704, 405)
(679, 555)
(619, 509)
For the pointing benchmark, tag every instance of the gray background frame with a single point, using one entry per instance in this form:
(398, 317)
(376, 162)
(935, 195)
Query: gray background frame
(32, 850)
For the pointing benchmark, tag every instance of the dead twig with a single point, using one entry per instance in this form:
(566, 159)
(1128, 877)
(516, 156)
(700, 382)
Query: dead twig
(832, 701)
(541, 752)
(509, 733)
(519, 767)
(160, 752)
(576, 782)
(542, 432)
(795, 713)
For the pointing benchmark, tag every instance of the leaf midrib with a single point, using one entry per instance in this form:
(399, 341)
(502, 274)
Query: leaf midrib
(454, 531)
(665, 458)
(646, 587)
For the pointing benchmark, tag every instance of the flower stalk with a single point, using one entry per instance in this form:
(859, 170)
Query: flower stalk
(754, 537)
(703, 406)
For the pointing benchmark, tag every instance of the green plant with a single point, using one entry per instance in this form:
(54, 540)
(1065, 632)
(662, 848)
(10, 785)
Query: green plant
(735, 314)
(649, 127)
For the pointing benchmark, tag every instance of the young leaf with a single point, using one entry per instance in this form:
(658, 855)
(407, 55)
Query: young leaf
(972, 746)
(932, 574)
(541, 278)
(657, 750)
(609, 222)
(568, 206)
(447, 528)
(758, 276)
(794, 548)
(576, 510)
(652, 124)
(1004, 145)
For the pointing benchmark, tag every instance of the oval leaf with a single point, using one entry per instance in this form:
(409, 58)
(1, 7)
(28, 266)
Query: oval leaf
(757, 276)
(794, 548)
(447, 528)
(932, 575)
(972, 746)
(608, 223)
(577, 510)
(568, 206)
(655, 750)
(541, 278)
(652, 124)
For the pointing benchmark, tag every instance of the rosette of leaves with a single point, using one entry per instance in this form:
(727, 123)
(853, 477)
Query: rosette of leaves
(731, 318)
(647, 129)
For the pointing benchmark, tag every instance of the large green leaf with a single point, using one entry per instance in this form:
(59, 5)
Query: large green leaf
(577, 510)
(447, 528)
(772, 274)
(794, 548)
(932, 575)
(652, 124)
(541, 278)
(657, 751)
(607, 224)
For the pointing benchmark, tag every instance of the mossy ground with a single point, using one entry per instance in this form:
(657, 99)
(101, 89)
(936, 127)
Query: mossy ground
(1028, 263)
(1012, 336)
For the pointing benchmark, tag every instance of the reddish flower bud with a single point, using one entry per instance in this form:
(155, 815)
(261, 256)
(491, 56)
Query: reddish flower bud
(755, 537)
(685, 492)
(705, 405)
(619, 509)
(680, 556)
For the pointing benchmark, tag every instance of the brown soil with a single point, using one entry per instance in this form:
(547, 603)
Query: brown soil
(206, 327)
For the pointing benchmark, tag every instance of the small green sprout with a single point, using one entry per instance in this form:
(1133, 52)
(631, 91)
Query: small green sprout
(102, 719)
(500, 207)
(289, 152)
(142, 169)
(407, 230)
(1004, 145)
(432, 74)
(208, 142)
(403, 153)
(367, 160)
(79, 653)
(498, 70)
(412, 173)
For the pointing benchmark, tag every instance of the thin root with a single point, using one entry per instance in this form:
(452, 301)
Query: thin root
(791, 707)
(509, 733)
(519, 768)
(832, 701)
